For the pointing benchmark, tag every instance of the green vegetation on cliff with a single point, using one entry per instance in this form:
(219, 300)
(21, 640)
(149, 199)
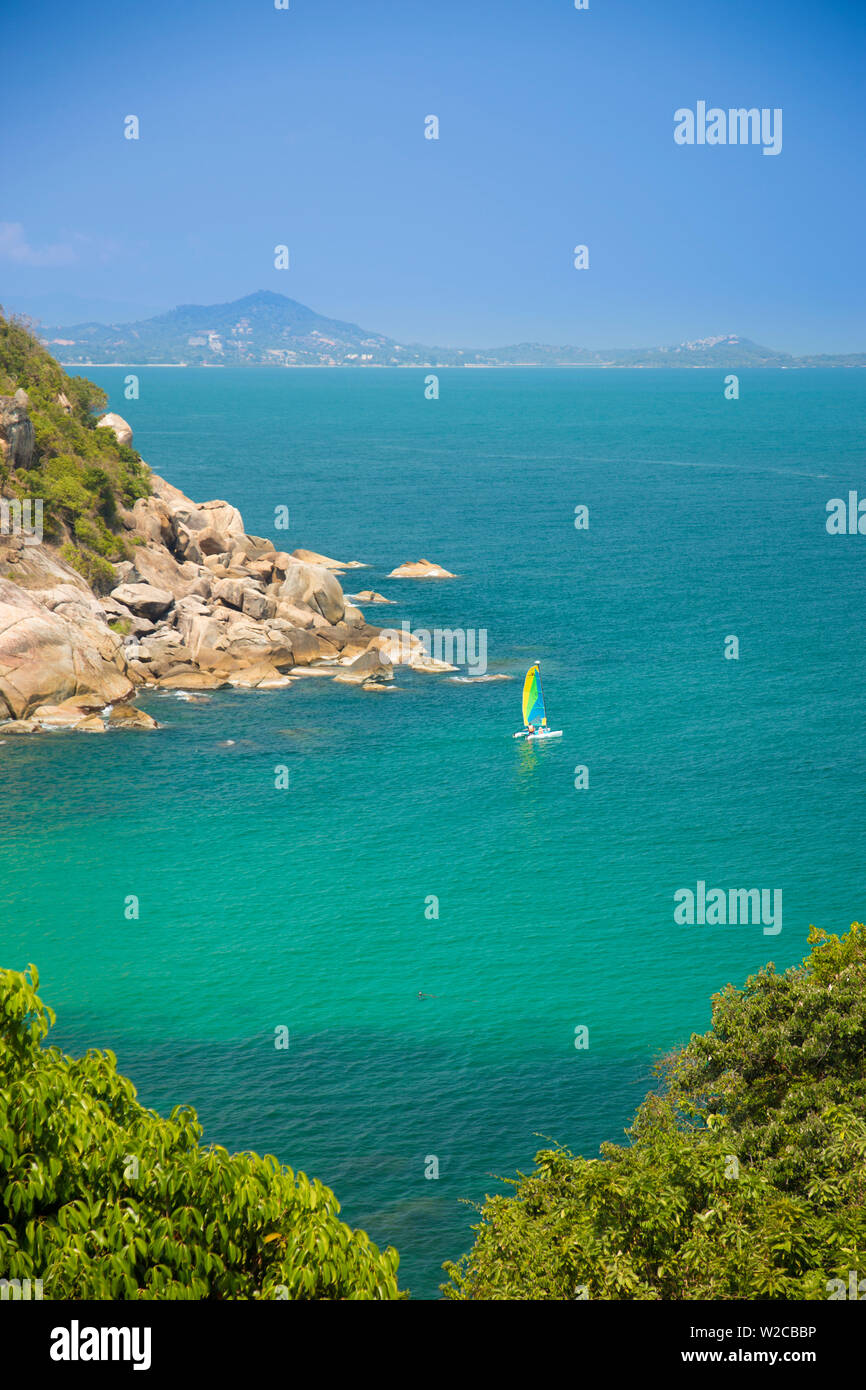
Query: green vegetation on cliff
(745, 1176)
(81, 473)
(101, 1198)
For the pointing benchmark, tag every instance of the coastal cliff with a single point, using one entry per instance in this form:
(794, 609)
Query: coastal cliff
(112, 580)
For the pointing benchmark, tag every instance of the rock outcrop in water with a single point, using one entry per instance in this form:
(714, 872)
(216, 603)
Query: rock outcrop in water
(240, 611)
(133, 585)
(369, 596)
(420, 569)
(201, 605)
(312, 557)
(55, 643)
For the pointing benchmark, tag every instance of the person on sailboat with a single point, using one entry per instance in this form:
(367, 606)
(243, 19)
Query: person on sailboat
(533, 708)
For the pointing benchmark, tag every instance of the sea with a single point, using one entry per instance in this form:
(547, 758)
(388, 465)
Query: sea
(468, 943)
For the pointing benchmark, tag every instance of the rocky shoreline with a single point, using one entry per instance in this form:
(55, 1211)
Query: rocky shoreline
(201, 605)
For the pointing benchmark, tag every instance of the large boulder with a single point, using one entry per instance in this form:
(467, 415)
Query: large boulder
(311, 557)
(122, 430)
(336, 634)
(401, 648)
(144, 600)
(312, 586)
(262, 569)
(260, 546)
(193, 537)
(222, 517)
(92, 724)
(227, 640)
(46, 657)
(420, 569)
(351, 650)
(294, 614)
(250, 643)
(191, 680)
(262, 676)
(170, 494)
(203, 636)
(243, 548)
(217, 515)
(258, 605)
(405, 649)
(16, 430)
(190, 603)
(151, 519)
(234, 592)
(202, 586)
(125, 716)
(304, 646)
(157, 566)
(36, 566)
(69, 713)
(370, 596)
(372, 665)
(81, 605)
(162, 652)
(209, 541)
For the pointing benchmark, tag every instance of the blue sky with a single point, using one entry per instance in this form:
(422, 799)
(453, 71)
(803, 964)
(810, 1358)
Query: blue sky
(306, 127)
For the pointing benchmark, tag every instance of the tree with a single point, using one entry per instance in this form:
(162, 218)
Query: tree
(82, 474)
(101, 1198)
(745, 1175)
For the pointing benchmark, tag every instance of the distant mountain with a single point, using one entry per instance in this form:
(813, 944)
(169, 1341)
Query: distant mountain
(269, 329)
(261, 328)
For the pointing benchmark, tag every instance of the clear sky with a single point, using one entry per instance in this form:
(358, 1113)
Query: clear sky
(306, 127)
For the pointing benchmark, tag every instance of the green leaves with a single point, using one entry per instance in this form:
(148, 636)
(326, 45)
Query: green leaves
(181, 1221)
(779, 1086)
(82, 473)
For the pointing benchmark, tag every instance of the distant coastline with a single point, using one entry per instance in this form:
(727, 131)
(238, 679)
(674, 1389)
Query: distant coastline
(482, 366)
(270, 330)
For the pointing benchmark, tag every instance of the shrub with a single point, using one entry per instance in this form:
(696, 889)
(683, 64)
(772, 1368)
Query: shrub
(745, 1176)
(96, 570)
(103, 1199)
(83, 475)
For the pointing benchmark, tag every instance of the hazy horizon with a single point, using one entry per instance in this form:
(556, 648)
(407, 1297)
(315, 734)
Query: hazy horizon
(44, 323)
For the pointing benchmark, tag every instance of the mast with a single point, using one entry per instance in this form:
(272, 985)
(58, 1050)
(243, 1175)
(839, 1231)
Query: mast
(541, 688)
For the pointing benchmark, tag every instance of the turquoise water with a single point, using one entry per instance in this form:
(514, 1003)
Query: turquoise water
(306, 908)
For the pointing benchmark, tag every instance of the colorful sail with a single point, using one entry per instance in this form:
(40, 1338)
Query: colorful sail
(533, 698)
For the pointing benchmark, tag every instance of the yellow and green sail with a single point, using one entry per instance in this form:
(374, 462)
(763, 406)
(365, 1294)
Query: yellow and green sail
(533, 698)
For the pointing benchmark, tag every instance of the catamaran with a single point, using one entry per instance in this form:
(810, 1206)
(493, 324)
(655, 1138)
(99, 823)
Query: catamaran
(534, 713)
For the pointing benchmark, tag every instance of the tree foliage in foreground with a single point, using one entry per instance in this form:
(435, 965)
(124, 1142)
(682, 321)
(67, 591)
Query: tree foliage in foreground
(101, 1198)
(745, 1176)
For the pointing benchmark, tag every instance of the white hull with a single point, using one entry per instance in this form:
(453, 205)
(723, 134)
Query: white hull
(540, 737)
